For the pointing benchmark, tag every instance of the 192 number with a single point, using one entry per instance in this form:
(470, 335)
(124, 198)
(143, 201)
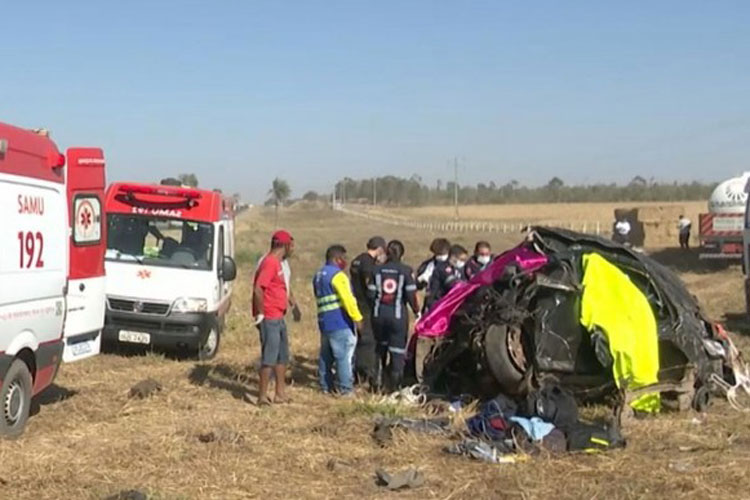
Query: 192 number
(31, 246)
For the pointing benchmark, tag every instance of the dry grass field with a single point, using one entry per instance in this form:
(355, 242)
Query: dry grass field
(541, 213)
(89, 440)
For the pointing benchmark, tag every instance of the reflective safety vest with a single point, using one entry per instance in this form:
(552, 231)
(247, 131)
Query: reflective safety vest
(331, 316)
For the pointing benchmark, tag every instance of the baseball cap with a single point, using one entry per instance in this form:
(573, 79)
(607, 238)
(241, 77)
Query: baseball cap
(376, 242)
(282, 237)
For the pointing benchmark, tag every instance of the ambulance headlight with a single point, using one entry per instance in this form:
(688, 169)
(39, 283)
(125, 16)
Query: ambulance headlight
(189, 305)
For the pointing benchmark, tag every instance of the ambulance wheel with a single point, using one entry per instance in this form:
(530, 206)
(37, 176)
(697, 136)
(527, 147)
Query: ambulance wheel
(15, 400)
(210, 345)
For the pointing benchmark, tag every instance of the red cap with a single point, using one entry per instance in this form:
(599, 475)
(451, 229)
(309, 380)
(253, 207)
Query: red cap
(282, 237)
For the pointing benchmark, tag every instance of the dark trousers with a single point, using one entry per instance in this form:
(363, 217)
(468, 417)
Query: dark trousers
(391, 335)
(685, 240)
(365, 358)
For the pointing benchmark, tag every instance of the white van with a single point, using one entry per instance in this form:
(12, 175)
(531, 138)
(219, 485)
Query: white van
(170, 262)
(52, 266)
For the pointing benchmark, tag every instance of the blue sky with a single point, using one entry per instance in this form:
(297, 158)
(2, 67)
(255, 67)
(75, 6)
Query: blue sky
(239, 92)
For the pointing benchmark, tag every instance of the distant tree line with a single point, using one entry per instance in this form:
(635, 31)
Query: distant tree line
(392, 190)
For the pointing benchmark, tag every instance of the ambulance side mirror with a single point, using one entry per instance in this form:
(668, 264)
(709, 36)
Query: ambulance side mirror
(228, 269)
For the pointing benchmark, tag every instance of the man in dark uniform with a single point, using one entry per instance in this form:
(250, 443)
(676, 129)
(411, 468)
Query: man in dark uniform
(392, 288)
(446, 274)
(440, 248)
(361, 270)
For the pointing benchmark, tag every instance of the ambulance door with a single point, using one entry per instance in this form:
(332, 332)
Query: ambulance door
(88, 242)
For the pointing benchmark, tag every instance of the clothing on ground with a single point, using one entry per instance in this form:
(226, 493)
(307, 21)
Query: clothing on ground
(614, 305)
(536, 428)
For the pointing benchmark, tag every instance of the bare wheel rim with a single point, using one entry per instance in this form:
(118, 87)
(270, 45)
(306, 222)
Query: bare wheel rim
(515, 347)
(13, 405)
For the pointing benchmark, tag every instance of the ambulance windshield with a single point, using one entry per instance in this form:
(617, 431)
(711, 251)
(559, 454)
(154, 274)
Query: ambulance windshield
(158, 241)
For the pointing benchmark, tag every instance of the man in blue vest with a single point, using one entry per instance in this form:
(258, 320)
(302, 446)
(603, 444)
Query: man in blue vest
(338, 315)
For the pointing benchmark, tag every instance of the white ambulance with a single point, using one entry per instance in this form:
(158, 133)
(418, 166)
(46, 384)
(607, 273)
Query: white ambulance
(52, 244)
(170, 264)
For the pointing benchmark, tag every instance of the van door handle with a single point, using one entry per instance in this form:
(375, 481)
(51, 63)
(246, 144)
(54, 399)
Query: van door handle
(81, 287)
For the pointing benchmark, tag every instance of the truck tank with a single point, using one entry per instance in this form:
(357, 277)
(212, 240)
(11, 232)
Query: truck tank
(730, 196)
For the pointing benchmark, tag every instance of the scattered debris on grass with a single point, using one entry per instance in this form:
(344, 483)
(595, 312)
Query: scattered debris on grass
(221, 435)
(144, 389)
(128, 495)
(410, 478)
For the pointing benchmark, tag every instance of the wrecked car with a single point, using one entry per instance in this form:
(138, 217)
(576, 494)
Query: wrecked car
(580, 311)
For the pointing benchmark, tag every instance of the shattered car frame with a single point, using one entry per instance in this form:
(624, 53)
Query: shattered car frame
(524, 328)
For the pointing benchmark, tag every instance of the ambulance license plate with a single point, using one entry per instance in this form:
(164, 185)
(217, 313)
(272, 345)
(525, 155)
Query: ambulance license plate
(81, 348)
(134, 337)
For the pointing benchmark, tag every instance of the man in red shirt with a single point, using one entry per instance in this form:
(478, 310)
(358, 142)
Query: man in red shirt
(270, 302)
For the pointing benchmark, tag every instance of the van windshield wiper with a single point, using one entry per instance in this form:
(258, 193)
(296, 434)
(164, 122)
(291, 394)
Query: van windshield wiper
(134, 257)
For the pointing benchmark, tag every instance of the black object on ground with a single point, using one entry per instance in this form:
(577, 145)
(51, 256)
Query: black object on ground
(145, 389)
(128, 495)
(382, 433)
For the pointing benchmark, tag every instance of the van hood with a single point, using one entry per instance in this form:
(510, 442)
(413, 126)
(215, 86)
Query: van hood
(164, 284)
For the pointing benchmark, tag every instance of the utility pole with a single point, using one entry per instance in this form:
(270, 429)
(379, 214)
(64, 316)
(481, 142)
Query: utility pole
(455, 185)
(374, 191)
(343, 192)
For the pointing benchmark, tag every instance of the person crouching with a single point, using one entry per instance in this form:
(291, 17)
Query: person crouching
(338, 315)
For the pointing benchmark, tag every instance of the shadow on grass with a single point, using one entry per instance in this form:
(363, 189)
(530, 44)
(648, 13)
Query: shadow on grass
(304, 372)
(135, 350)
(226, 378)
(738, 323)
(51, 395)
(686, 261)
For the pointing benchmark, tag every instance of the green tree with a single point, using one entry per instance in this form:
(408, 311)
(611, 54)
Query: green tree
(310, 196)
(188, 180)
(170, 181)
(278, 194)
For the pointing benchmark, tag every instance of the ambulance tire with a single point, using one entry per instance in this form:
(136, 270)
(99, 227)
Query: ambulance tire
(210, 345)
(15, 400)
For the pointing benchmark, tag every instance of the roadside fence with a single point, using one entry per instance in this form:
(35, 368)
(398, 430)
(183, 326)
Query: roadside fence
(478, 226)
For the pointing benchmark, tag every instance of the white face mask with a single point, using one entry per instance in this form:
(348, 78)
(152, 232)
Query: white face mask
(460, 264)
(441, 258)
(483, 259)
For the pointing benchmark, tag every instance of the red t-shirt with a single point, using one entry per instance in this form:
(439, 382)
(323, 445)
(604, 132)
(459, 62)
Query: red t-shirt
(270, 278)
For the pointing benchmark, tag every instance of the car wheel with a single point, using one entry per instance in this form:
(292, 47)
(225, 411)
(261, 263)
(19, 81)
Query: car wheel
(15, 400)
(210, 345)
(505, 356)
(701, 399)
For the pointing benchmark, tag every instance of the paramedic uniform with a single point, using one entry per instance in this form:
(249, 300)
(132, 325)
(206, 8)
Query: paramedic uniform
(392, 288)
